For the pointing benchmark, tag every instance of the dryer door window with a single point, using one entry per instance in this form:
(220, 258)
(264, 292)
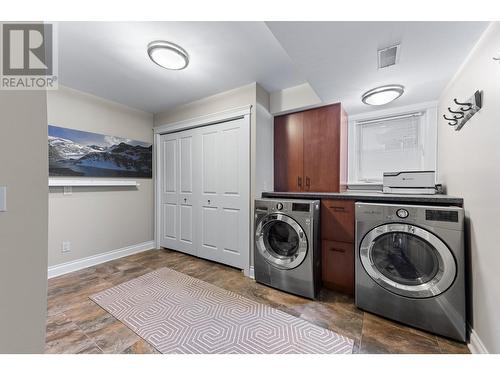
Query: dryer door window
(408, 260)
(405, 258)
(281, 241)
(281, 238)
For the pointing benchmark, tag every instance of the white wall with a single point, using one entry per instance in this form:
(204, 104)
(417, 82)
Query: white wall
(293, 99)
(469, 165)
(264, 144)
(98, 220)
(23, 228)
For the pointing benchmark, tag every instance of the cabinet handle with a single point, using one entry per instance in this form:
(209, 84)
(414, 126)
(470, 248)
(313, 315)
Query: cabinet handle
(337, 208)
(299, 181)
(308, 182)
(337, 250)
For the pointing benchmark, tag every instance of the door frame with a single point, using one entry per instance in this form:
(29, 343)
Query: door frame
(243, 112)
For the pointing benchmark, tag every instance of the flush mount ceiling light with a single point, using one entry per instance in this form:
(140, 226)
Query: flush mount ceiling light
(168, 55)
(382, 95)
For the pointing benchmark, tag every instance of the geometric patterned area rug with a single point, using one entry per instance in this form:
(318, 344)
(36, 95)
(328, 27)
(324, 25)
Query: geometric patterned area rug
(177, 313)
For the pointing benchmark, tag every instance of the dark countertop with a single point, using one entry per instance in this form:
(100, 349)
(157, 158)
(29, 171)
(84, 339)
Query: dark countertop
(372, 196)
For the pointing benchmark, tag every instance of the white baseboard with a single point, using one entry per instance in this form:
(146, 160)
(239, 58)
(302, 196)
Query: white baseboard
(75, 265)
(475, 345)
(251, 273)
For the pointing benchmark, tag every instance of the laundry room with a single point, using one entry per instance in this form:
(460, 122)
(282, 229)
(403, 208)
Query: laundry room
(249, 186)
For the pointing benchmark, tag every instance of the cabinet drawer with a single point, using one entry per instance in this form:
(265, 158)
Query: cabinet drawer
(337, 220)
(338, 266)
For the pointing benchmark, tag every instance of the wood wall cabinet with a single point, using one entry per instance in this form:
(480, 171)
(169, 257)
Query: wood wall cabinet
(310, 150)
(337, 233)
(288, 152)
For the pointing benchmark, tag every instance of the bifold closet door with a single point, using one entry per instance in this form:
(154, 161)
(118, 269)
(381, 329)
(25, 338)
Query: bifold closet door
(224, 225)
(177, 187)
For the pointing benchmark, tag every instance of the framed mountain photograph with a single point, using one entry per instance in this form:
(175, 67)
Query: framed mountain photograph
(79, 153)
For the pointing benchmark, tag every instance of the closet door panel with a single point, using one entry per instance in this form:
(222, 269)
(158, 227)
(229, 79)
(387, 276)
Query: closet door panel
(186, 192)
(169, 191)
(209, 198)
(234, 192)
(224, 200)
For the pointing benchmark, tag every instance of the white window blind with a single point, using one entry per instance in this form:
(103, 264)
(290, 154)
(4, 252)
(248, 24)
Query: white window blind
(391, 144)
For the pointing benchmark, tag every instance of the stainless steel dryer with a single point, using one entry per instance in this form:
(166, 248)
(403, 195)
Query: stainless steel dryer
(286, 253)
(410, 265)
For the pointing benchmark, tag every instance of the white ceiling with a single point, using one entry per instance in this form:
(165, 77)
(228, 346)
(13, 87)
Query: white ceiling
(109, 59)
(338, 59)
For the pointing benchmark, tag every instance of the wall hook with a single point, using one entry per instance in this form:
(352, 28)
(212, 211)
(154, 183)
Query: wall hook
(455, 121)
(469, 105)
(466, 110)
(459, 114)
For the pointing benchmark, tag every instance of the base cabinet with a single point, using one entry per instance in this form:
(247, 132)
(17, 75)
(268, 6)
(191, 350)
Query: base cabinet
(338, 266)
(337, 233)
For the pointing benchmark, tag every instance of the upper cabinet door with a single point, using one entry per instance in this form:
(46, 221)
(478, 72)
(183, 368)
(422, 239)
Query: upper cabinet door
(321, 149)
(289, 153)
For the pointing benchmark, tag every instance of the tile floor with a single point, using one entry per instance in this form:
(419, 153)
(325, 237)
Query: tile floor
(75, 324)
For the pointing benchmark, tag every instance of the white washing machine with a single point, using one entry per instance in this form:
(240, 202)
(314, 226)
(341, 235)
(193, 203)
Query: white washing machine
(286, 253)
(410, 265)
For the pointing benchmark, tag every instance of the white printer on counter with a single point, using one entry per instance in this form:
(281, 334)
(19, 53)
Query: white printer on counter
(410, 182)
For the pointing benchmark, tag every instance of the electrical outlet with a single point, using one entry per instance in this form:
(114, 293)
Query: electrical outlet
(66, 247)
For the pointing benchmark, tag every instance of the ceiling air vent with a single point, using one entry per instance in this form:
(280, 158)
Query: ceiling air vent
(388, 56)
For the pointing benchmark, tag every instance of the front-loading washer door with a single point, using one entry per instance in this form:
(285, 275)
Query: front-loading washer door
(408, 260)
(281, 241)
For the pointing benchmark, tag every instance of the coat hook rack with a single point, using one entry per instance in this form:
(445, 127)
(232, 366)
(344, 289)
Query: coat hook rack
(464, 112)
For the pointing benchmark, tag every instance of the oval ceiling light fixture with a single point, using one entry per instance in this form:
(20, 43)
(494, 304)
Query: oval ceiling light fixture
(168, 55)
(382, 95)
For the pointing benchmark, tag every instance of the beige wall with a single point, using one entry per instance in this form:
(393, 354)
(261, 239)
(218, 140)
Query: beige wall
(23, 228)
(98, 220)
(469, 166)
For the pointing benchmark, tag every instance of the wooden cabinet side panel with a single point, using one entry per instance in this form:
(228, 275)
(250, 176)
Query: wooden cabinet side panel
(321, 149)
(288, 152)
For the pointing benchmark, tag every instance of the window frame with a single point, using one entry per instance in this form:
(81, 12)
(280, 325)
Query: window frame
(428, 134)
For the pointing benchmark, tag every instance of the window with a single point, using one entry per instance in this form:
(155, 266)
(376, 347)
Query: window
(401, 142)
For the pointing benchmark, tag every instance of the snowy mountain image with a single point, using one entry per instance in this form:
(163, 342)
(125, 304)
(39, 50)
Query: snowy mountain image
(79, 153)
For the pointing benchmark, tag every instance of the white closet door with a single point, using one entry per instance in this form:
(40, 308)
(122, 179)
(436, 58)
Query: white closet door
(177, 192)
(224, 200)
(186, 193)
(169, 151)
